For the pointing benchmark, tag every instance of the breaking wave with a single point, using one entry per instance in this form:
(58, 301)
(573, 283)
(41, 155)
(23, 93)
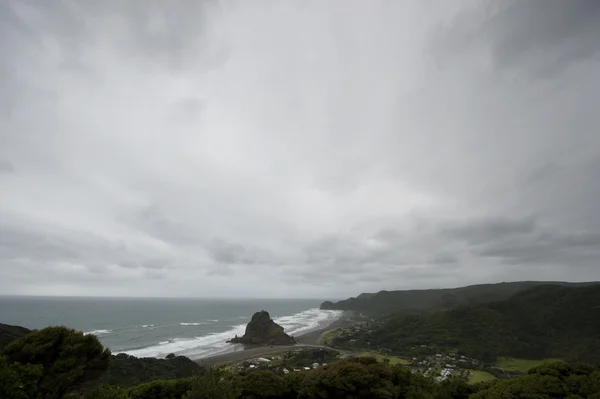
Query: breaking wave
(214, 343)
(98, 332)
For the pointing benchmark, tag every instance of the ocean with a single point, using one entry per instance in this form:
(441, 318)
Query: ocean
(155, 327)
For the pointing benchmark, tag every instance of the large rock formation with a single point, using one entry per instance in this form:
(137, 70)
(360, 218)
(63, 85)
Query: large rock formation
(263, 331)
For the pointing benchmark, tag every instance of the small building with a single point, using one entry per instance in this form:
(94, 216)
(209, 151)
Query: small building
(315, 365)
(285, 371)
(306, 368)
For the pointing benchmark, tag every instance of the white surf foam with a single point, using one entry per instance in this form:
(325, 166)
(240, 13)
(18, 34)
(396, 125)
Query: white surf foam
(190, 346)
(98, 332)
(214, 343)
(309, 320)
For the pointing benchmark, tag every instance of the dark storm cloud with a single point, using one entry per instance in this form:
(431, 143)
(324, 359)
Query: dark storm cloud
(539, 37)
(488, 229)
(575, 250)
(222, 148)
(559, 32)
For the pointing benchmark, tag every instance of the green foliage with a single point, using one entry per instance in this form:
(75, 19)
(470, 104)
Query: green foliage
(259, 384)
(212, 385)
(68, 358)
(363, 378)
(10, 333)
(127, 371)
(161, 389)
(454, 389)
(18, 381)
(386, 303)
(306, 356)
(546, 321)
(556, 380)
(107, 393)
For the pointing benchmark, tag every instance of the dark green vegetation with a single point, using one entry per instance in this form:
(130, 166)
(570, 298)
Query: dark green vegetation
(66, 358)
(10, 333)
(57, 362)
(386, 303)
(127, 371)
(549, 321)
(364, 378)
(300, 358)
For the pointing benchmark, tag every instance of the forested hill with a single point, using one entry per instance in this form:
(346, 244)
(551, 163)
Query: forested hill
(549, 321)
(10, 333)
(386, 303)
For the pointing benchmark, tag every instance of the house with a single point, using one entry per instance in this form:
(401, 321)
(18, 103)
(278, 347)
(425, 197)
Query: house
(315, 365)
(285, 371)
(306, 368)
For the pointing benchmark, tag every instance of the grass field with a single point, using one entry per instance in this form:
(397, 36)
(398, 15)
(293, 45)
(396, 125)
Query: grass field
(480, 376)
(328, 336)
(380, 357)
(522, 365)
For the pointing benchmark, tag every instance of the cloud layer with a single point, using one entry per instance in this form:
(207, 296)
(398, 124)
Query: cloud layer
(296, 149)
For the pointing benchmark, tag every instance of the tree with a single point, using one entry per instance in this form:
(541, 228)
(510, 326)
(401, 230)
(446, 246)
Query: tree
(260, 384)
(18, 381)
(68, 359)
(212, 385)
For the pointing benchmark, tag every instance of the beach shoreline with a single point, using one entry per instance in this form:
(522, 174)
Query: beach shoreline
(307, 340)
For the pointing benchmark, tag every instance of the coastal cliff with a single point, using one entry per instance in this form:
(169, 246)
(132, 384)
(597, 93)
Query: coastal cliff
(262, 330)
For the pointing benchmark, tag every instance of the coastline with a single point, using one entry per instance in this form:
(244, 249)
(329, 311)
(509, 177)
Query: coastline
(238, 353)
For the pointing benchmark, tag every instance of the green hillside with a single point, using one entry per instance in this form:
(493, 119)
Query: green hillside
(10, 333)
(60, 363)
(416, 301)
(549, 321)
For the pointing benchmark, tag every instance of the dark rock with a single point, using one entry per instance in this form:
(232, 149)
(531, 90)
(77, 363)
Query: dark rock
(327, 305)
(261, 330)
(235, 340)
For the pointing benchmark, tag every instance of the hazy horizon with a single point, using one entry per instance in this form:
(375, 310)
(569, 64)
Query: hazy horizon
(291, 298)
(296, 149)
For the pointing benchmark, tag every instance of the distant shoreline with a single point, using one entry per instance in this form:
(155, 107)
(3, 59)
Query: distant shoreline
(307, 340)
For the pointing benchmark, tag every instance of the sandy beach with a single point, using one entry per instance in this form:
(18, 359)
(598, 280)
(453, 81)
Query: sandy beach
(308, 340)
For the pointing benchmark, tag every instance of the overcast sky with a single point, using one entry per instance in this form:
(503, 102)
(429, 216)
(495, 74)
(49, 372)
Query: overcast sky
(296, 148)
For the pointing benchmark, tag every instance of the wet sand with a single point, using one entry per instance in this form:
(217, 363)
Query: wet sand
(308, 340)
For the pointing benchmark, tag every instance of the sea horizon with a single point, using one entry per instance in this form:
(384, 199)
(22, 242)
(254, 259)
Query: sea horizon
(156, 327)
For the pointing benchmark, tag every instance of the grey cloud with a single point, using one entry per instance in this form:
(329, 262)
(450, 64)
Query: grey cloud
(489, 229)
(221, 148)
(539, 37)
(6, 167)
(568, 30)
(575, 249)
(228, 253)
(444, 259)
